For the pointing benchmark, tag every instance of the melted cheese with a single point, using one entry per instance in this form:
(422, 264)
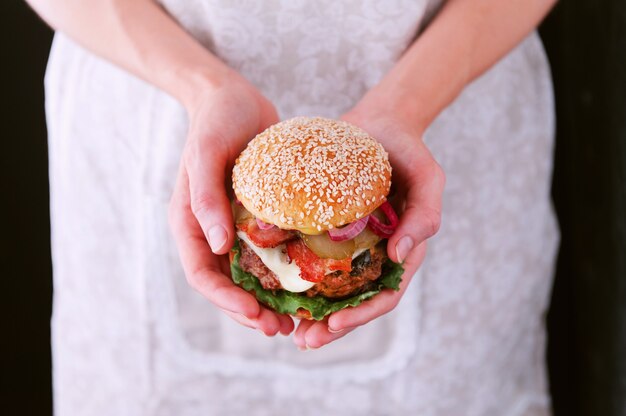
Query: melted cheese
(276, 260)
(358, 252)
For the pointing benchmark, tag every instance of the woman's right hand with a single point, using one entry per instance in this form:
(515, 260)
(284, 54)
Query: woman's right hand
(222, 120)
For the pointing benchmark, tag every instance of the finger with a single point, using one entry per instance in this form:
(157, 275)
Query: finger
(424, 184)
(299, 335)
(286, 324)
(318, 335)
(224, 263)
(380, 304)
(239, 318)
(267, 322)
(202, 268)
(206, 168)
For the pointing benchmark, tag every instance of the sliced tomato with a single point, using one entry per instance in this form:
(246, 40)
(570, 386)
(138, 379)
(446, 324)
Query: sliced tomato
(343, 264)
(312, 267)
(265, 238)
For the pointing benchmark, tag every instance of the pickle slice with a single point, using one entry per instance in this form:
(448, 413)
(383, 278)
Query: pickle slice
(326, 248)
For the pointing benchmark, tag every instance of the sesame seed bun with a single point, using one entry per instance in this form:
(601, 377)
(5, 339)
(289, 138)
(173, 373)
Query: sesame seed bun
(312, 174)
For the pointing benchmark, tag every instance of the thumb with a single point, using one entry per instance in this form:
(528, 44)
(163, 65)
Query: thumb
(422, 213)
(209, 202)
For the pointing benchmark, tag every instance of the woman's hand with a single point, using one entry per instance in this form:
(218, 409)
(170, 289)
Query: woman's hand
(222, 121)
(463, 41)
(419, 183)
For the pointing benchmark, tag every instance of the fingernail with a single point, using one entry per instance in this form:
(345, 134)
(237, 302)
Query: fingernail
(403, 247)
(263, 332)
(336, 331)
(301, 348)
(248, 317)
(217, 237)
(311, 348)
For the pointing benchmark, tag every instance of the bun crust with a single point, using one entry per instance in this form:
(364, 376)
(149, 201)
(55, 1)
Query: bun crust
(312, 174)
(303, 314)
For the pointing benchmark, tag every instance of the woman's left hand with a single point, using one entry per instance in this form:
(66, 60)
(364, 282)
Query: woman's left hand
(419, 183)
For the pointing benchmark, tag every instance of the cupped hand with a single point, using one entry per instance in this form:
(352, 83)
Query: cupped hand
(418, 181)
(222, 121)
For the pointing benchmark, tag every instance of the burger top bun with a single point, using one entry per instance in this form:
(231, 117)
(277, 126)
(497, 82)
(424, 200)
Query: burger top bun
(312, 174)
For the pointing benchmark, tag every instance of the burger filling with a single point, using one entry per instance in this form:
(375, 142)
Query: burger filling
(293, 272)
(312, 265)
(286, 274)
(365, 268)
(310, 275)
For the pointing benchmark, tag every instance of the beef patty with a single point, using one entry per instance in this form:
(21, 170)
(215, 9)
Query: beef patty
(366, 268)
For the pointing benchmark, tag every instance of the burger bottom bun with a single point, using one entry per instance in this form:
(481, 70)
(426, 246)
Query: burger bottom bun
(302, 313)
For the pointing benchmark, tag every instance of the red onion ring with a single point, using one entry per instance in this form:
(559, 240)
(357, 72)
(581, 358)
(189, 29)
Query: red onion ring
(349, 231)
(263, 225)
(238, 202)
(381, 229)
(390, 213)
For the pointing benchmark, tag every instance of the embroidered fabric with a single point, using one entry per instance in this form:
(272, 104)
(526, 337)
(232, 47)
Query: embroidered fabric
(131, 338)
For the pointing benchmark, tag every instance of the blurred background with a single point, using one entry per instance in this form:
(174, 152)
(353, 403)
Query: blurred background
(586, 44)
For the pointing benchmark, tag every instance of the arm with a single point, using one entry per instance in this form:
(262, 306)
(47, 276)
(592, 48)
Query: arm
(139, 36)
(466, 38)
(224, 110)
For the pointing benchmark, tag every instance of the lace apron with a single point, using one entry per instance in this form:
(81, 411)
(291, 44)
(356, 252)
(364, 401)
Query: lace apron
(131, 338)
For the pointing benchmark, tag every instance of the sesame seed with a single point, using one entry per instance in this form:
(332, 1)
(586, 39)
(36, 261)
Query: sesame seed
(336, 165)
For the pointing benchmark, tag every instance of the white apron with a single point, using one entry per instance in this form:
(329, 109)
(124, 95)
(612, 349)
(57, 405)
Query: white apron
(131, 338)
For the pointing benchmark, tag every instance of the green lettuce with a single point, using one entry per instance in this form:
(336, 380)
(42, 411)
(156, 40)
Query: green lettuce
(287, 302)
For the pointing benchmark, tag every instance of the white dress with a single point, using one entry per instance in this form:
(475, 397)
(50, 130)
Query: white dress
(131, 338)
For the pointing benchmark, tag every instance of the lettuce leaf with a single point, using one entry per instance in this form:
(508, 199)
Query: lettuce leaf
(288, 302)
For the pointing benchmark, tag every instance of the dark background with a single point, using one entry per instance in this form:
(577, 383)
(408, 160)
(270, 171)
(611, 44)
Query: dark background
(586, 44)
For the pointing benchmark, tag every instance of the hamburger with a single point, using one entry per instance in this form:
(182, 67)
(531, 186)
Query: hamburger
(312, 217)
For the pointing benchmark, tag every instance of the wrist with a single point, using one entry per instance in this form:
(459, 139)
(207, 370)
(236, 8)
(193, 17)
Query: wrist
(191, 84)
(395, 103)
